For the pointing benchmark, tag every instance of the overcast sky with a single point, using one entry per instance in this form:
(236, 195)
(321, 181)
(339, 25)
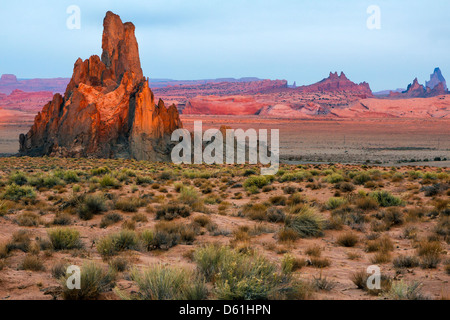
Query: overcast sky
(296, 40)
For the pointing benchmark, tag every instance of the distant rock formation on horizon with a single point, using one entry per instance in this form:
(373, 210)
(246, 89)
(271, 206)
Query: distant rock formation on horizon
(339, 83)
(435, 87)
(435, 79)
(108, 109)
(9, 83)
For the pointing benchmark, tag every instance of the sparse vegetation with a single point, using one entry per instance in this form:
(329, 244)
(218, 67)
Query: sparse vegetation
(303, 223)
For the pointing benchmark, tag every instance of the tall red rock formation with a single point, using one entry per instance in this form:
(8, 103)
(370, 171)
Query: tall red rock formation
(108, 109)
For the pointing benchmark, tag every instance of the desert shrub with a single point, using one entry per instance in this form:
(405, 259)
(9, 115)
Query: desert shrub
(164, 240)
(366, 203)
(430, 261)
(108, 181)
(59, 270)
(318, 262)
(209, 259)
(202, 220)
(255, 211)
(295, 176)
(287, 235)
(118, 264)
(169, 234)
(33, 263)
(173, 210)
(91, 205)
(393, 217)
(189, 196)
(64, 239)
(110, 219)
(130, 204)
(334, 203)
(434, 190)
(361, 178)
(403, 291)
(290, 264)
(15, 192)
(278, 200)
(414, 214)
(19, 178)
(20, 241)
(28, 219)
(71, 176)
(94, 280)
(239, 276)
(159, 282)
(447, 267)
(429, 253)
(3, 251)
(385, 199)
(307, 224)
(139, 217)
(322, 283)
(301, 209)
(348, 239)
(290, 189)
(256, 182)
(425, 248)
(383, 244)
(275, 215)
(143, 180)
(296, 198)
(334, 178)
(100, 171)
(346, 187)
(406, 262)
(62, 219)
(313, 251)
(146, 238)
(381, 257)
(443, 227)
(45, 181)
(410, 232)
(114, 243)
(360, 279)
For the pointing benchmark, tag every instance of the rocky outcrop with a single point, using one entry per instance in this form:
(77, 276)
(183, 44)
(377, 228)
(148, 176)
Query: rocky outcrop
(435, 87)
(8, 78)
(108, 109)
(338, 83)
(9, 83)
(228, 105)
(415, 90)
(436, 78)
(19, 100)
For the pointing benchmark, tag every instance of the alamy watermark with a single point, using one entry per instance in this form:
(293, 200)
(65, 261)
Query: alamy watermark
(374, 20)
(374, 280)
(74, 277)
(73, 22)
(208, 147)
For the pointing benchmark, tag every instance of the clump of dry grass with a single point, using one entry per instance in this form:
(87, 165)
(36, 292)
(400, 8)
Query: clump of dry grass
(348, 239)
(33, 263)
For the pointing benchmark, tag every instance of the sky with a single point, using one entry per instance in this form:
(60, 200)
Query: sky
(296, 40)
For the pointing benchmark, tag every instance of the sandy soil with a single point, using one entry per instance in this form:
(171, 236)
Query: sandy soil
(381, 141)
